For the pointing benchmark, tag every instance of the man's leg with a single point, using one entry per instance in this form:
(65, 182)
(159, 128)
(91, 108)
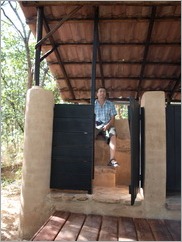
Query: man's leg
(112, 145)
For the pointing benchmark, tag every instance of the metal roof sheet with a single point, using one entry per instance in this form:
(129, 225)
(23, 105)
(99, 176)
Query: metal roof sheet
(139, 47)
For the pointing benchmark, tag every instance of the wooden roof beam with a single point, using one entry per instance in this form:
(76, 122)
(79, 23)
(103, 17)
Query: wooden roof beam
(100, 62)
(149, 34)
(39, 30)
(100, 57)
(52, 20)
(115, 43)
(47, 29)
(51, 32)
(136, 78)
(117, 89)
(94, 54)
(48, 53)
(98, 3)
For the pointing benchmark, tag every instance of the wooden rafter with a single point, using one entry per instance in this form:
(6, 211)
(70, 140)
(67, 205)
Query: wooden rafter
(97, 3)
(149, 34)
(99, 56)
(47, 29)
(40, 13)
(118, 55)
(100, 62)
(94, 55)
(53, 20)
(61, 22)
(136, 78)
(117, 43)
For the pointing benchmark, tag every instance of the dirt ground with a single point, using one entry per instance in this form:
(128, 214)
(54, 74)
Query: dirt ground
(10, 207)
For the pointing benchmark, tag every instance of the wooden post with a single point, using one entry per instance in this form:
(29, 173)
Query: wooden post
(94, 57)
(38, 49)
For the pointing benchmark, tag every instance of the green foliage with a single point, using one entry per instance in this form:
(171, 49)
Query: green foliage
(122, 111)
(47, 82)
(13, 86)
(14, 83)
(6, 181)
(50, 85)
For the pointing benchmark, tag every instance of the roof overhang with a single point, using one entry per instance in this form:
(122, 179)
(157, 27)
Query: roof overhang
(138, 46)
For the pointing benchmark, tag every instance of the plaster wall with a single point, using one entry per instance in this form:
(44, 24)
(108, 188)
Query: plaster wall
(37, 160)
(155, 151)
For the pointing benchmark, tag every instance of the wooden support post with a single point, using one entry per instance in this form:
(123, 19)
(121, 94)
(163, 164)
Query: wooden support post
(38, 49)
(93, 79)
(94, 57)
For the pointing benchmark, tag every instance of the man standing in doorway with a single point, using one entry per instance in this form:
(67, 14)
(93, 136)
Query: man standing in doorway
(105, 113)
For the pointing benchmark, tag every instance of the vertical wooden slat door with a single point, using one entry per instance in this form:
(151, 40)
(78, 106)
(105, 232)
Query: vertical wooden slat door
(72, 147)
(134, 125)
(173, 136)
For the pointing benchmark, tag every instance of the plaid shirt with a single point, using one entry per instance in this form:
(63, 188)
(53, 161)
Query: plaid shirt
(105, 112)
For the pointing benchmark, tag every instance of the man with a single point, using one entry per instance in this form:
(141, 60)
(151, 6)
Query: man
(105, 113)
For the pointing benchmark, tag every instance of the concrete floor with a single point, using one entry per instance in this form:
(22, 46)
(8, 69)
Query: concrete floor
(118, 194)
(173, 201)
(113, 201)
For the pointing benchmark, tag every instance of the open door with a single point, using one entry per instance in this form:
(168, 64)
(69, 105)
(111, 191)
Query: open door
(134, 125)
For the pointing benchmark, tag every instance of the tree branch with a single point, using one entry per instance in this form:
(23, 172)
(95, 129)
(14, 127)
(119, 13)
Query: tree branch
(12, 23)
(18, 17)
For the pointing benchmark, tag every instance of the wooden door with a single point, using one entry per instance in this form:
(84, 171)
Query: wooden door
(134, 125)
(173, 136)
(72, 147)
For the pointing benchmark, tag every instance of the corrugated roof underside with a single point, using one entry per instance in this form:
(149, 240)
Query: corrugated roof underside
(136, 54)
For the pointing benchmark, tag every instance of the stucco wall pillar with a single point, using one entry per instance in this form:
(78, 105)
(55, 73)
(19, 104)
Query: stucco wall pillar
(155, 151)
(37, 160)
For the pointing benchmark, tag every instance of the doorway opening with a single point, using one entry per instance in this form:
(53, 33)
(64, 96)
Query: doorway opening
(70, 171)
(113, 183)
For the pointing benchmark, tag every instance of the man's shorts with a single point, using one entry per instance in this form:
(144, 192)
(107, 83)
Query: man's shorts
(106, 134)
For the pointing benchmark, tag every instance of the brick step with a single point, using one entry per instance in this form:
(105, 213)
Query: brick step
(104, 176)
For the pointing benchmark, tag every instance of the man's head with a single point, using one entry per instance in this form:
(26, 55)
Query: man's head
(101, 93)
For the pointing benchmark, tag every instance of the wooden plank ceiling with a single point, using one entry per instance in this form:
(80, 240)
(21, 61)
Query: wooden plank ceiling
(139, 46)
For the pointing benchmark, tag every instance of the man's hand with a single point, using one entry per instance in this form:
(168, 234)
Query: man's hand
(110, 124)
(106, 127)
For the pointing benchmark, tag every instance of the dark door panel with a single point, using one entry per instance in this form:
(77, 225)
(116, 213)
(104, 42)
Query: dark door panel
(81, 152)
(134, 125)
(72, 138)
(72, 124)
(73, 111)
(72, 147)
(173, 136)
(73, 182)
(71, 167)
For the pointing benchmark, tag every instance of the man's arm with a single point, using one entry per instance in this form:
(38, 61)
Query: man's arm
(109, 124)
